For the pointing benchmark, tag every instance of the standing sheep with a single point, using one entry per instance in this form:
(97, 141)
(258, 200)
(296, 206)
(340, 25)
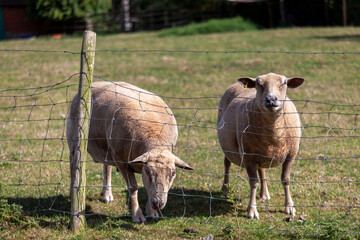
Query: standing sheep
(135, 131)
(258, 128)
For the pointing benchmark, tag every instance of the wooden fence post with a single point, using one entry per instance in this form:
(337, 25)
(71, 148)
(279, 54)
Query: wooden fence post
(78, 165)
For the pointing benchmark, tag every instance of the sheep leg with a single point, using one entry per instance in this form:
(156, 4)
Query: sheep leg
(254, 183)
(129, 176)
(264, 192)
(106, 191)
(285, 180)
(227, 165)
(151, 213)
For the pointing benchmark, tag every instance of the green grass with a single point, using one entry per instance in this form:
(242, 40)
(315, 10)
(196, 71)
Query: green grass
(34, 172)
(237, 24)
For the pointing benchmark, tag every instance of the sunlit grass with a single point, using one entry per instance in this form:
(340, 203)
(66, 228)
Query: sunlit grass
(34, 162)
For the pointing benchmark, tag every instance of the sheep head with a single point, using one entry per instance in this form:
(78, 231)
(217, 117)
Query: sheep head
(271, 89)
(158, 174)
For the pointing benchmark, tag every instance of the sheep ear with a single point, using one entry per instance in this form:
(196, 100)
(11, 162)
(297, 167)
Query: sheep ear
(141, 159)
(294, 82)
(181, 164)
(247, 82)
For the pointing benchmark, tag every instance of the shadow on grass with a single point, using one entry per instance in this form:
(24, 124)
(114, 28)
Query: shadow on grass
(338, 38)
(194, 203)
(43, 206)
(54, 211)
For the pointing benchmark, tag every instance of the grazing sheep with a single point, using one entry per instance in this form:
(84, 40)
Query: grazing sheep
(258, 128)
(134, 130)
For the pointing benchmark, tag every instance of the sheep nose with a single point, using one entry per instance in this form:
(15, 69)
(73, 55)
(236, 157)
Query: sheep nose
(271, 100)
(157, 203)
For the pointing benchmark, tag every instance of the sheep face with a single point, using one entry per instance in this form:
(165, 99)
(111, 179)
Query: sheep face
(158, 174)
(271, 89)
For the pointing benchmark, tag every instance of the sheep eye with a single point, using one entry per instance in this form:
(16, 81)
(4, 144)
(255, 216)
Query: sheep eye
(149, 175)
(260, 86)
(172, 174)
(148, 172)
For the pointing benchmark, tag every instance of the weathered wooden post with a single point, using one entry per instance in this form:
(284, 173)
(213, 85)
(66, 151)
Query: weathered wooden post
(78, 163)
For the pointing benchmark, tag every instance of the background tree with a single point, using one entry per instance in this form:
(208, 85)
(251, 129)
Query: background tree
(62, 10)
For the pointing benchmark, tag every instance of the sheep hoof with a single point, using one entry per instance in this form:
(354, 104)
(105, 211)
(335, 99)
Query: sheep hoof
(107, 196)
(139, 219)
(252, 212)
(265, 198)
(290, 210)
(108, 199)
(225, 190)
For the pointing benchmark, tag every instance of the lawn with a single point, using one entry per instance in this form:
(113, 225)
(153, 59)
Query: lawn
(36, 88)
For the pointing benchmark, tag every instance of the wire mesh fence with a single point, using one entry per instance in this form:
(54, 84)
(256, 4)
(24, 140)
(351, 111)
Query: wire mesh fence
(324, 179)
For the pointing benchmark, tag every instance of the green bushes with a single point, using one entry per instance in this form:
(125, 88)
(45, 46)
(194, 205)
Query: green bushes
(237, 24)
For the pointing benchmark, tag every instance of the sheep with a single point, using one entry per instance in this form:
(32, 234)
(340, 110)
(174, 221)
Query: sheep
(259, 127)
(135, 131)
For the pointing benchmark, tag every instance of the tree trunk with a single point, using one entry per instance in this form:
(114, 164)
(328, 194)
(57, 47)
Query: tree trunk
(326, 10)
(116, 14)
(344, 13)
(89, 24)
(126, 15)
(270, 13)
(282, 12)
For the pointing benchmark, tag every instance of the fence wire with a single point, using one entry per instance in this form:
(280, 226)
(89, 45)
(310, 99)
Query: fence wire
(325, 174)
(187, 51)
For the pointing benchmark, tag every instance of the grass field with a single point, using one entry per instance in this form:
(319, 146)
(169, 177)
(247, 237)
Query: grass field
(34, 167)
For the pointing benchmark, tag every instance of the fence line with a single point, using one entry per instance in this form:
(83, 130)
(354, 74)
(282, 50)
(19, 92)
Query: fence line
(187, 51)
(328, 126)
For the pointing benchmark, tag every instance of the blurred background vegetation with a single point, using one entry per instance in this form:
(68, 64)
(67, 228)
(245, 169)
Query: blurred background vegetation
(43, 17)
